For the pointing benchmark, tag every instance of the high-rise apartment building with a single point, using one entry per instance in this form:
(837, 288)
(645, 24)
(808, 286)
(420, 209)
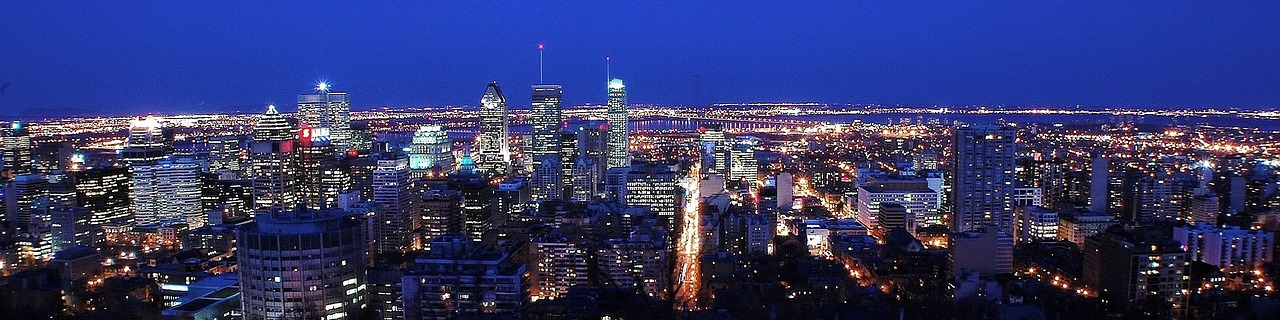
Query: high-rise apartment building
(983, 171)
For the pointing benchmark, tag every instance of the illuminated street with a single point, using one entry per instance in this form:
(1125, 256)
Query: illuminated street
(689, 247)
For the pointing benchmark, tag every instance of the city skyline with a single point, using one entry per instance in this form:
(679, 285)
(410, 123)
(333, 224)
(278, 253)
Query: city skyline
(714, 174)
(1180, 55)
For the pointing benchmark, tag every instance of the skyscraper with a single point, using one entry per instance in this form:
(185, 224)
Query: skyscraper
(320, 179)
(147, 142)
(656, 187)
(546, 121)
(105, 192)
(393, 190)
(431, 153)
(15, 144)
(166, 193)
(494, 155)
(330, 110)
(982, 170)
(618, 155)
(272, 158)
(302, 265)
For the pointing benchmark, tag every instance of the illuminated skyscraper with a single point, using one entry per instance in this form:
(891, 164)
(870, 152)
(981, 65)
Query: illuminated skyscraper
(302, 265)
(618, 155)
(393, 189)
(654, 186)
(982, 169)
(320, 179)
(147, 142)
(331, 110)
(166, 193)
(16, 145)
(714, 149)
(432, 152)
(225, 157)
(274, 167)
(494, 153)
(546, 121)
(105, 192)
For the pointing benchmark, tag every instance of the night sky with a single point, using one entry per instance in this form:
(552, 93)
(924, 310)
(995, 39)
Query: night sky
(104, 57)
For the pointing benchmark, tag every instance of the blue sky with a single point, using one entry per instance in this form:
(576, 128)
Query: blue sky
(159, 56)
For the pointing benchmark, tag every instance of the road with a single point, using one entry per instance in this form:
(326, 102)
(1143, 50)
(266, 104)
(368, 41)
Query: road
(689, 246)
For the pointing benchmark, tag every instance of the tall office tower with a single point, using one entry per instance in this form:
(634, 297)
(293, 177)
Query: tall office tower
(743, 166)
(545, 145)
(493, 157)
(442, 214)
(393, 189)
(983, 171)
(15, 149)
(226, 157)
(477, 204)
(546, 179)
(619, 156)
(147, 142)
(556, 264)
(167, 193)
(568, 157)
(21, 197)
(320, 179)
(714, 148)
(302, 264)
(330, 110)
(585, 180)
(431, 154)
(594, 145)
(105, 193)
(71, 227)
(1133, 267)
(461, 278)
(274, 164)
(656, 187)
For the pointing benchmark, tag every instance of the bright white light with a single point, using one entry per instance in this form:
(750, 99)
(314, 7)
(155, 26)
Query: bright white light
(616, 84)
(322, 86)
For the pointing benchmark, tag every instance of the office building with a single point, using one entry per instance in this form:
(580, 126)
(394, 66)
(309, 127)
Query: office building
(493, 157)
(394, 191)
(15, 149)
(545, 145)
(987, 251)
(431, 154)
(618, 156)
(442, 214)
(920, 201)
(22, 196)
(320, 178)
(656, 187)
(148, 141)
(328, 110)
(273, 160)
(105, 193)
(166, 193)
(1077, 226)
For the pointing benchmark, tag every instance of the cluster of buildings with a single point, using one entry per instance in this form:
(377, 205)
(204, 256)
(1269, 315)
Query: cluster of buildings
(313, 215)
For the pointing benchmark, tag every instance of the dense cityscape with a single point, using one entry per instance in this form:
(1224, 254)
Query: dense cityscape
(621, 211)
